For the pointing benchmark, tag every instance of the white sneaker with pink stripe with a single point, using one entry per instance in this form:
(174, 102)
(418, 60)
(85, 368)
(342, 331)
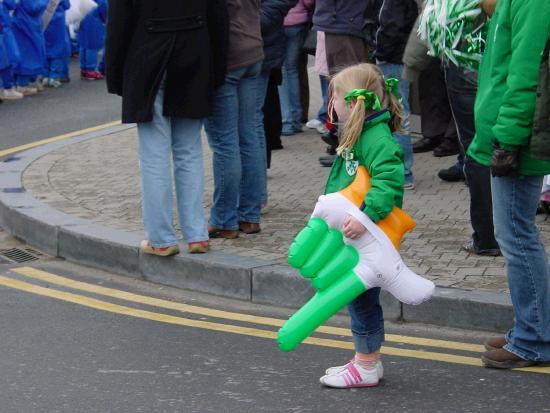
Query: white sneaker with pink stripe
(352, 375)
(338, 369)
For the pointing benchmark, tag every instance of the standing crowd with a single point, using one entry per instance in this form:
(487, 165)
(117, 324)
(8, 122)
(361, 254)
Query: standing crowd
(238, 69)
(38, 38)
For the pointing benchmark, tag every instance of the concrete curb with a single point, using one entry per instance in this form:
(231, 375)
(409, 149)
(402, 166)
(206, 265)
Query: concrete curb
(218, 273)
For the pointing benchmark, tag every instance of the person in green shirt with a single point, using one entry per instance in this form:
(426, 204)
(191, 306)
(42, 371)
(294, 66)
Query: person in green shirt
(504, 115)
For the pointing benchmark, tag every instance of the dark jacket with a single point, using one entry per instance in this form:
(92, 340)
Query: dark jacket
(272, 15)
(540, 140)
(184, 41)
(245, 38)
(396, 19)
(340, 16)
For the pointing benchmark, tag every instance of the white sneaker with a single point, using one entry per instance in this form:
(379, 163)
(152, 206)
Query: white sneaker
(338, 369)
(314, 124)
(11, 94)
(27, 90)
(353, 375)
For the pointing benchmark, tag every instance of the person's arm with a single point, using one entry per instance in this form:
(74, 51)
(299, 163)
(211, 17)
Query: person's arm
(273, 12)
(385, 165)
(120, 29)
(514, 124)
(218, 28)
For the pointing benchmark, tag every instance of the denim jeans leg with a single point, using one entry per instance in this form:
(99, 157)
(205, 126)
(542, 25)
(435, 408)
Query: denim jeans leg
(156, 177)
(263, 82)
(515, 203)
(322, 113)
(252, 149)
(367, 321)
(404, 139)
(289, 91)
(222, 128)
(189, 177)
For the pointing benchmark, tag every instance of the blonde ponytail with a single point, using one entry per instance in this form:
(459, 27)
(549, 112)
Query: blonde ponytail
(353, 126)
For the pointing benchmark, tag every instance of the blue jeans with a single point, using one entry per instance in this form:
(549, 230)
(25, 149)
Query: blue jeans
(262, 83)
(160, 141)
(404, 139)
(238, 159)
(515, 202)
(88, 59)
(323, 114)
(367, 321)
(289, 91)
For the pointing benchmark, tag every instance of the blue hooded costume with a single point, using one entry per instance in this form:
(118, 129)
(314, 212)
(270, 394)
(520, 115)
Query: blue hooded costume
(58, 45)
(91, 35)
(27, 28)
(9, 44)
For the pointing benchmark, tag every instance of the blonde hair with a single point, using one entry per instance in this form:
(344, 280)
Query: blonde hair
(363, 76)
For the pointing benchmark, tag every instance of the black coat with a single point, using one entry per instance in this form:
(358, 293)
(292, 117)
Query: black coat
(184, 40)
(396, 20)
(345, 17)
(272, 15)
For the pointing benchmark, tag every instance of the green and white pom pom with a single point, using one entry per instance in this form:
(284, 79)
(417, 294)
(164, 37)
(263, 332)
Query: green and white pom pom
(455, 31)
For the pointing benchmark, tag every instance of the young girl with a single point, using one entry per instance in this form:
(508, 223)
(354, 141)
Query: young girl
(370, 110)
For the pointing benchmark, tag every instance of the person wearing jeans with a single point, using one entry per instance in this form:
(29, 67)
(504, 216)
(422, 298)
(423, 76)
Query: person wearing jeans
(295, 30)
(462, 88)
(239, 159)
(187, 37)
(396, 20)
(163, 141)
(514, 57)
(238, 156)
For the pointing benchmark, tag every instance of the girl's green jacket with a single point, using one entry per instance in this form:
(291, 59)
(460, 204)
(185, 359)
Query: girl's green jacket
(508, 78)
(377, 151)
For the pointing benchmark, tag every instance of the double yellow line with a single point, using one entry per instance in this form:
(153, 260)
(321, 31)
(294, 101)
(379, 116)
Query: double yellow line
(52, 279)
(58, 138)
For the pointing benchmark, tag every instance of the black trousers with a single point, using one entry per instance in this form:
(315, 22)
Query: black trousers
(273, 121)
(462, 88)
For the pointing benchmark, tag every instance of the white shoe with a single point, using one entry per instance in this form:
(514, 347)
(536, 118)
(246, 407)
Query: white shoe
(37, 85)
(338, 369)
(27, 90)
(314, 124)
(353, 375)
(11, 94)
(322, 129)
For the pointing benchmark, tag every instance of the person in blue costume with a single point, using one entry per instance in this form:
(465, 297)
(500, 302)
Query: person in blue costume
(11, 50)
(28, 31)
(58, 47)
(91, 37)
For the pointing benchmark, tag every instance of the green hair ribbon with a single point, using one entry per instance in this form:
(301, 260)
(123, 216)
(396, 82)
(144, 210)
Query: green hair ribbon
(370, 98)
(391, 87)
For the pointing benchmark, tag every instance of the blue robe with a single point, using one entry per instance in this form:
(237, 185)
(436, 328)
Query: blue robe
(91, 34)
(4, 60)
(27, 28)
(10, 44)
(58, 44)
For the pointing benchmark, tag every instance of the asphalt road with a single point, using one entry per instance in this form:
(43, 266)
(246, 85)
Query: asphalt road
(76, 105)
(59, 354)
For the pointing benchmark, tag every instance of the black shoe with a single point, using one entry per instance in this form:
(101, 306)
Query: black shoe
(331, 150)
(452, 174)
(327, 160)
(330, 138)
(489, 252)
(425, 145)
(447, 148)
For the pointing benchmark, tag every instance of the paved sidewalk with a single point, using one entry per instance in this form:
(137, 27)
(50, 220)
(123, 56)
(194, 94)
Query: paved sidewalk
(99, 180)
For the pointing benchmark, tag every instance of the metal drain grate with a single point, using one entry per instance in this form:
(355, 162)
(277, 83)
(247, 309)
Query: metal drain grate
(19, 255)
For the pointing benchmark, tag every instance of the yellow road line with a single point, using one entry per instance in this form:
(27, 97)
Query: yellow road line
(207, 325)
(31, 145)
(123, 295)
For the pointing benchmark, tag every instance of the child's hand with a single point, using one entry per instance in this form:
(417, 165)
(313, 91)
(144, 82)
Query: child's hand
(352, 228)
